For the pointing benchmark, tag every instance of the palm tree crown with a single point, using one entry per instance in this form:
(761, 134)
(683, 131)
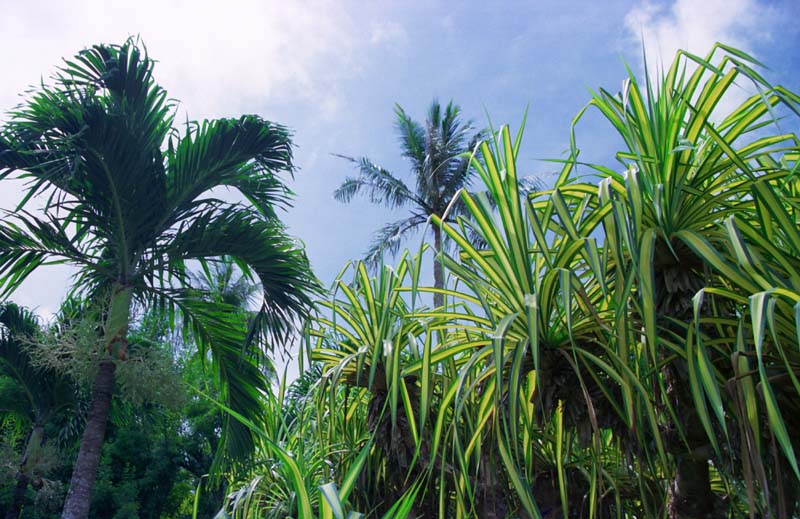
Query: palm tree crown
(129, 204)
(435, 153)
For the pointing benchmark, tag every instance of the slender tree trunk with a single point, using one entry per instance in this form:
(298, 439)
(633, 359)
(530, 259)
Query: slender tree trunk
(438, 274)
(79, 497)
(30, 459)
(19, 495)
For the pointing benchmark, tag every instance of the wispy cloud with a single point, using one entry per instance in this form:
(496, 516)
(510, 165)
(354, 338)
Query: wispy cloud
(217, 58)
(387, 32)
(695, 26)
(661, 30)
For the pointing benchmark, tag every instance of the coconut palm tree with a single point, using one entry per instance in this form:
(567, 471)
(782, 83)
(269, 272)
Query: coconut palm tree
(129, 204)
(439, 168)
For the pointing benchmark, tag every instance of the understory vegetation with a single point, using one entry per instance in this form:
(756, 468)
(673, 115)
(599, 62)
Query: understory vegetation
(623, 344)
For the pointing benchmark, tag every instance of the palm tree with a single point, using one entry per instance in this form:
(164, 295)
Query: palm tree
(32, 394)
(439, 167)
(129, 205)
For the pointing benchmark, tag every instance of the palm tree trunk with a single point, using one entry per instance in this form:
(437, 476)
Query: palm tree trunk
(79, 497)
(19, 495)
(31, 457)
(438, 274)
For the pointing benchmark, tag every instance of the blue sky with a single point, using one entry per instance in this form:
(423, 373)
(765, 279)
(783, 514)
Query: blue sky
(332, 71)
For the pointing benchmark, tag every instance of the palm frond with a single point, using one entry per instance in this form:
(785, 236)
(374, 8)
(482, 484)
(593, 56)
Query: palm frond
(28, 242)
(219, 329)
(377, 183)
(259, 245)
(95, 137)
(412, 142)
(388, 239)
(43, 390)
(245, 154)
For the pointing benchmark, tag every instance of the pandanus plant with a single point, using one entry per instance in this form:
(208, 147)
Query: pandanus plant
(367, 336)
(542, 283)
(689, 166)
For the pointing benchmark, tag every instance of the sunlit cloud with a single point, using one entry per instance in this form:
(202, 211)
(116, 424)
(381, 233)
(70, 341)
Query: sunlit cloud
(695, 26)
(660, 30)
(218, 58)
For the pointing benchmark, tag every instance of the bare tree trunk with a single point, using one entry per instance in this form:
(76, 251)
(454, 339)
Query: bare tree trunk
(79, 497)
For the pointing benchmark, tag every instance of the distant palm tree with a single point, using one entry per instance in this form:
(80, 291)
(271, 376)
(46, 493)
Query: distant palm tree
(435, 152)
(130, 204)
(221, 282)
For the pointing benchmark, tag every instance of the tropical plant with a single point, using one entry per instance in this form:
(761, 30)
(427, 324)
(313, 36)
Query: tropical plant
(32, 394)
(373, 334)
(268, 488)
(316, 457)
(543, 289)
(608, 345)
(439, 168)
(129, 205)
(220, 281)
(759, 261)
(688, 168)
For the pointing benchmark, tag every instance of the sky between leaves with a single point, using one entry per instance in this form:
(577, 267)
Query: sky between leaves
(332, 71)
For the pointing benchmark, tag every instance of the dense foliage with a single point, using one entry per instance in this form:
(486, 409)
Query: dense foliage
(621, 345)
(158, 449)
(625, 344)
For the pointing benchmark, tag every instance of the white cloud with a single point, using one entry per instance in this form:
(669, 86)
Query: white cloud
(388, 33)
(218, 58)
(695, 26)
